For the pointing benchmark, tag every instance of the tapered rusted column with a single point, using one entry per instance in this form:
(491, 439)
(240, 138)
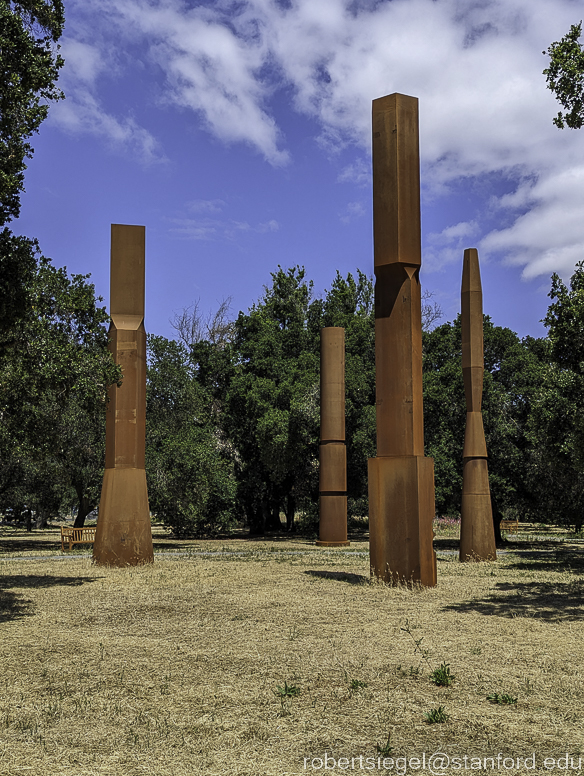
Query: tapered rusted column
(401, 479)
(477, 533)
(333, 453)
(123, 536)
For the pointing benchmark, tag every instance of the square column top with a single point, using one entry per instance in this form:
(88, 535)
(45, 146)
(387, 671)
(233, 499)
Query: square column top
(127, 270)
(396, 181)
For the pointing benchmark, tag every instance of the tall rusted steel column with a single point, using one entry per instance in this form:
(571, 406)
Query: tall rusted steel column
(124, 536)
(477, 533)
(332, 451)
(401, 479)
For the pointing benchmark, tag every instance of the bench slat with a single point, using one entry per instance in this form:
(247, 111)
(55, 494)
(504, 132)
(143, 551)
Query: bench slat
(73, 536)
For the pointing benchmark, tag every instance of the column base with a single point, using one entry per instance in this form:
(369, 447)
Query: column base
(477, 533)
(123, 536)
(332, 528)
(401, 514)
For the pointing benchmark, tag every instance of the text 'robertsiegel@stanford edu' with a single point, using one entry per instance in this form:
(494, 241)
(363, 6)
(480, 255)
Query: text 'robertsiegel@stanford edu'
(439, 763)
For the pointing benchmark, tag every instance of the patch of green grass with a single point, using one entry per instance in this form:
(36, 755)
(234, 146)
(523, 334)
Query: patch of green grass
(435, 716)
(502, 699)
(287, 690)
(441, 676)
(386, 748)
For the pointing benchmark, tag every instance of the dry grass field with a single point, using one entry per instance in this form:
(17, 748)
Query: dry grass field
(258, 658)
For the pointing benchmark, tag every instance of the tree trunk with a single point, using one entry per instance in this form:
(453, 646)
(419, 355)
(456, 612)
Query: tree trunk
(85, 507)
(497, 517)
(290, 511)
(42, 519)
(28, 520)
(273, 515)
(255, 520)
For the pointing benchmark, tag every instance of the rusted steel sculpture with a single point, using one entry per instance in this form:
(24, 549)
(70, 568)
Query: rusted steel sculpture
(477, 533)
(124, 536)
(401, 479)
(333, 453)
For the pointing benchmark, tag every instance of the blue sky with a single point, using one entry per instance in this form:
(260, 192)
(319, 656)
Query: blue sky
(238, 133)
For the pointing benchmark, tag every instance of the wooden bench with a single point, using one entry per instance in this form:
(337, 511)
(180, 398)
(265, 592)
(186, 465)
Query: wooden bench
(509, 525)
(73, 536)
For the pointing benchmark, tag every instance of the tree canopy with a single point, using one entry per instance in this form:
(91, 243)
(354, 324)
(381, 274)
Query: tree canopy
(29, 68)
(54, 362)
(29, 62)
(565, 77)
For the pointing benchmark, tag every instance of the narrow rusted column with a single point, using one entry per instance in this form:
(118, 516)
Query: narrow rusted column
(401, 479)
(333, 453)
(124, 536)
(477, 533)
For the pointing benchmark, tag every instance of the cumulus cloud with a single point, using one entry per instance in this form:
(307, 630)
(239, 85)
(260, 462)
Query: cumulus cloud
(446, 247)
(212, 66)
(476, 67)
(84, 62)
(82, 112)
(548, 237)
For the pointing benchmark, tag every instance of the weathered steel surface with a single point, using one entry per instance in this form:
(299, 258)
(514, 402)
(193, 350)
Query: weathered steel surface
(332, 451)
(477, 533)
(401, 480)
(401, 511)
(124, 536)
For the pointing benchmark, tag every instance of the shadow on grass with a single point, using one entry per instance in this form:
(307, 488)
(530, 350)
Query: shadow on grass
(552, 601)
(555, 560)
(340, 576)
(13, 605)
(24, 544)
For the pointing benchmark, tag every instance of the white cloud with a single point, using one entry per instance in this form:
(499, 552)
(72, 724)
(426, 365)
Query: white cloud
(358, 172)
(206, 205)
(268, 226)
(475, 66)
(83, 112)
(549, 236)
(455, 232)
(218, 229)
(84, 62)
(447, 246)
(352, 211)
(209, 67)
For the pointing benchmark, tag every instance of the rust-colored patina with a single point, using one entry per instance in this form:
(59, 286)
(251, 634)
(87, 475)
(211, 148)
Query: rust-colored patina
(477, 533)
(333, 454)
(401, 479)
(124, 536)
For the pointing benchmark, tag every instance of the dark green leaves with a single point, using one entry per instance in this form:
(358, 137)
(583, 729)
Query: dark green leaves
(565, 77)
(29, 68)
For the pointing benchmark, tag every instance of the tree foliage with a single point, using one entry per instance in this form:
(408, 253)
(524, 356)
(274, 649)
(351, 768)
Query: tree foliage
(565, 77)
(54, 362)
(29, 61)
(188, 465)
(271, 405)
(511, 378)
(54, 375)
(556, 424)
(29, 67)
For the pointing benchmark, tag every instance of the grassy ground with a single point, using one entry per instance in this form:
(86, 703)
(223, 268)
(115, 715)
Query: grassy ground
(262, 661)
